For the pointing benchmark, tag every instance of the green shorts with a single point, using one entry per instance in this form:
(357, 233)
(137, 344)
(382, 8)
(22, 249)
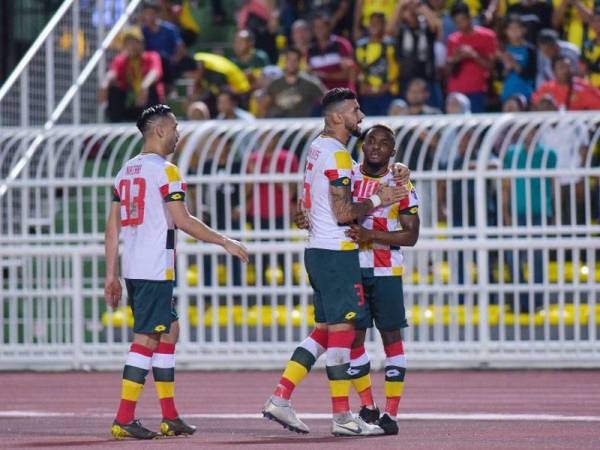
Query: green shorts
(385, 302)
(152, 304)
(335, 278)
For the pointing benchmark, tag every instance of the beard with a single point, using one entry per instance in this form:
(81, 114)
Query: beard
(353, 129)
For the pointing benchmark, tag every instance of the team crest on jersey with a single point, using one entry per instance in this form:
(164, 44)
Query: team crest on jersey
(160, 328)
(351, 315)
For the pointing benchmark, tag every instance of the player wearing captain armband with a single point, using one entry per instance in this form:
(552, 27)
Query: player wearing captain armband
(148, 206)
(332, 263)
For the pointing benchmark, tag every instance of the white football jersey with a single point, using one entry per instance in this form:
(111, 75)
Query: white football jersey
(143, 186)
(328, 162)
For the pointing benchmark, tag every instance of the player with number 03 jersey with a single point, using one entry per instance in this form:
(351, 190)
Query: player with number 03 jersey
(332, 263)
(148, 206)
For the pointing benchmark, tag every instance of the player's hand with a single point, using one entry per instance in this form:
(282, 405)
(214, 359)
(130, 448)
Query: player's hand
(392, 194)
(301, 219)
(236, 248)
(112, 291)
(401, 174)
(359, 234)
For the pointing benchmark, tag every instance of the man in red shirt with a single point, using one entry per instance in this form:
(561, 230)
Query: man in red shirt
(270, 204)
(568, 91)
(134, 80)
(331, 57)
(471, 53)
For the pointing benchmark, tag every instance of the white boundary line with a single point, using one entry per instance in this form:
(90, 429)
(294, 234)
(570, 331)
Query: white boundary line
(320, 416)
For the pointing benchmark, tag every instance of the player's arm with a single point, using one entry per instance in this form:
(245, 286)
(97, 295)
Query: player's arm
(406, 237)
(112, 284)
(347, 211)
(199, 230)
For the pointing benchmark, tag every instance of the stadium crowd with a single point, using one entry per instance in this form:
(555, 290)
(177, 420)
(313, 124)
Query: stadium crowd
(401, 57)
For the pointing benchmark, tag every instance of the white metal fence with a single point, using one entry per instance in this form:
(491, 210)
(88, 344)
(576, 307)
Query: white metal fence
(506, 271)
(57, 80)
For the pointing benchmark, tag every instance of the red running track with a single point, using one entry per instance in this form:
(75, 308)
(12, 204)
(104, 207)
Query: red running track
(442, 410)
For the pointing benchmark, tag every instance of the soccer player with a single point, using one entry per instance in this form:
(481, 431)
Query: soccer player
(148, 205)
(333, 266)
(380, 235)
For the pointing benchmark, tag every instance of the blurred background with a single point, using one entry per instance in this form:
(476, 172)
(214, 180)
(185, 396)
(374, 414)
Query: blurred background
(495, 105)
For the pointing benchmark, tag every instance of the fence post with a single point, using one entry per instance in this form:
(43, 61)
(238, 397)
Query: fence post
(77, 319)
(481, 226)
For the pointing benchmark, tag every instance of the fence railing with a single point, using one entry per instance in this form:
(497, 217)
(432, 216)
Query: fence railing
(506, 271)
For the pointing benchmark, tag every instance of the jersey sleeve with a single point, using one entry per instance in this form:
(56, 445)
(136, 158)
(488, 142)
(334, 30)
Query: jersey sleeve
(172, 186)
(410, 205)
(338, 168)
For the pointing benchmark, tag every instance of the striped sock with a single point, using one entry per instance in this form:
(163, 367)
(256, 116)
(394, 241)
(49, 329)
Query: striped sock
(360, 368)
(139, 361)
(163, 369)
(301, 362)
(395, 369)
(337, 364)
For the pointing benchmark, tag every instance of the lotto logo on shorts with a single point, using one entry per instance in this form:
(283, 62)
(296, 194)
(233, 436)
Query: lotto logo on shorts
(160, 328)
(351, 315)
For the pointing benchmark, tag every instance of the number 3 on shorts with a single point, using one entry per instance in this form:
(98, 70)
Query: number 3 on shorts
(360, 291)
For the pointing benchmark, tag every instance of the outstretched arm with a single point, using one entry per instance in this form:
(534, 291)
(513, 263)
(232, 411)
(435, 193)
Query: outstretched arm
(199, 230)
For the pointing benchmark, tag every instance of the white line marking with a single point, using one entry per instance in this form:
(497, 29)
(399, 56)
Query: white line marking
(320, 416)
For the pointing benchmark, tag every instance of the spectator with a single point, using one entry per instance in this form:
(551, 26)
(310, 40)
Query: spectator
(515, 103)
(272, 197)
(301, 40)
(163, 38)
(197, 111)
(518, 60)
(471, 52)
(591, 51)
(457, 103)
(294, 94)
(179, 13)
(417, 96)
(570, 140)
(257, 16)
(549, 48)
(398, 107)
(363, 9)
(340, 12)
(531, 202)
(571, 18)
(377, 69)
(210, 75)
(134, 80)
(535, 15)
(569, 92)
(227, 106)
(330, 57)
(416, 27)
(447, 26)
(251, 60)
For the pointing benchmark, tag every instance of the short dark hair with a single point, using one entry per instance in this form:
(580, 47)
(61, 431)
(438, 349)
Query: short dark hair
(513, 18)
(151, 113)
(151, 4)
(547, 36)
(460, 8)
(295, 50)
(559, 58)
(335, 96)
(377, 15)
(380, 126)
(229, 93)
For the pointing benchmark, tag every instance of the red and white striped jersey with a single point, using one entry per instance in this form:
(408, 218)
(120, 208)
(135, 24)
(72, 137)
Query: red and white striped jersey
(143, 186)
(385, 260)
